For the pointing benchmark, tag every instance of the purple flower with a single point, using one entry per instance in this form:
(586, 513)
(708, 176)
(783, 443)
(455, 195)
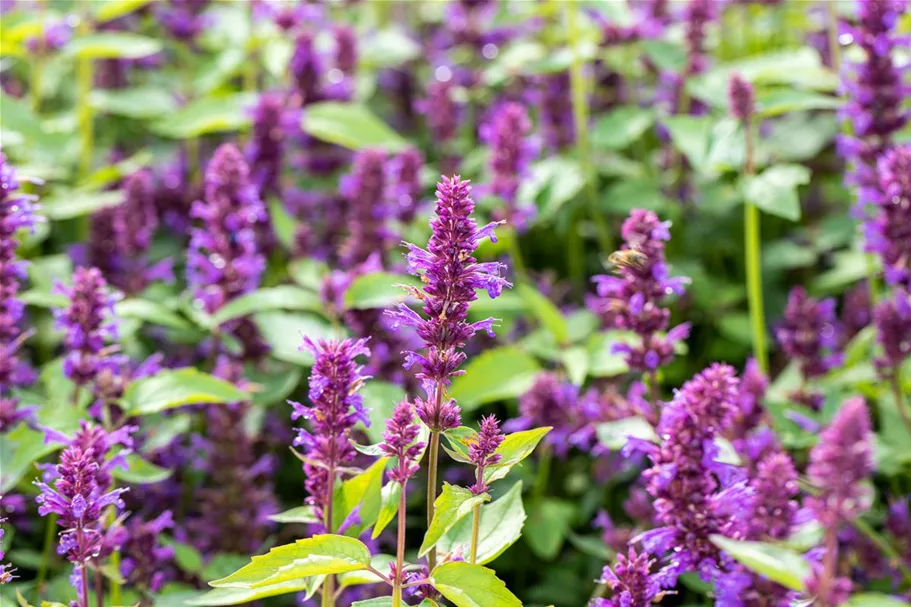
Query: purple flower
(855, 311)
(554, 402)
(632, 582)
(451, 278)
(874, 94)
(364, 190)
(345, 49)
(697, 15)
(686, 481)
(511, 150)
(6, 570)
(889, 229)
(441, 109)
(808, 333)
(121, 237)
(266, 148)
(892, 318)
(16, 212)
(399, 442)
(145, 560)
(632, 301)
(403, 180)
(335, 408)
(741, 98)
(183, 19)
(87, 322)
(826, 589)
(750, 412)
(839, 463)
(306, 70)
(52, 38)
(482, 453)
(776, 489)
(555, 111)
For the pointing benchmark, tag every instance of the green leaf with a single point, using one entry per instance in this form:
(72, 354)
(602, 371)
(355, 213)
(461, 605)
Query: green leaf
(151, 312)
(16, 116)
(388, 47)
(548, 314)
(849, 267)
(605, 362)
(619, 128)
(774, 190)
(283, 223)
(453, 504)
(308, 273)
(468, 585)
(774, 562)
(514, 448)
(351, 126)
(317, 555)
(177, 387)
(272, 386)
(783, 100)
(549, 524)
(140, 103)
(576, 360)
(284, 334)
(301, 514)
(380, 601)
(497, 374)
(614, 435)
(140, 471)
(874, 599)
(19, 449)
(282, 297)
(363, 491)
(380, 399)
(67, 205)
(378, 290)
(207, 115)
(380, 562)
(566, 181)
(112, 9)
(691, 135)
(188, 558)
(500, 527)
(112, 45)
(389, 506)
(239, 596)
(43, 299)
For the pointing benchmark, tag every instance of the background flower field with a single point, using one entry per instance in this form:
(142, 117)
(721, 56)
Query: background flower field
(455, 302)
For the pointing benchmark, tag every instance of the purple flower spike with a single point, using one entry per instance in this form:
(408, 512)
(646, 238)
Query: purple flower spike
(266, 149)
(17, 212)
(809, 333)
(451, 277)
(335, 408)
(776, 490)
(364, 189)
(553, 402)
(399, 442)
(892, 318)
(87, 322)
(741, 98)
(511, 151)
(632, 301)
(306, 70)
(483, 452)
(889, 229)
(441, 110)
(632, 582)
(403, 180)
(839, 463)
(145, 561)
(555, 111)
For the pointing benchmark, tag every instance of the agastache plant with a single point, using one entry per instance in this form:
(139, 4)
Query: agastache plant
(451, 277)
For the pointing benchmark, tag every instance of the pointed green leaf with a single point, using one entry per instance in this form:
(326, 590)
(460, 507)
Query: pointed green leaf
(514, 448)
(317, 555)
(67, 204)
(349, 125)
(548, 314)
(363, 491)
(139, 471)
(378, 290)
(774, 190)
(113, 45)
(618, 128)
(151, 312)
(459, 440)
(468, 585)
(19, 449)
(240, 596)
(301, 514)
(777, 563)
(177, 387)
(389, 506)
(497, 374)
(282, 297)
(690, 135)
(500, 527)
(874, 599)
(380, 601)
(576, 362)
(380, 399)
(112, 9)
(550, 521)
(207, 115)
(450, 507)
(137, 103)
(284, 332)
(283, 223)
(380, 562)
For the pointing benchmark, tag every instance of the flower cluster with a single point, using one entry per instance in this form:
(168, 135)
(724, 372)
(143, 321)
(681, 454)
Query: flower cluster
(399, 442)
(632, 301)
(551, 401)
(17, 212)
(144, 558)
(184, 19)
(632, 582)
(555, 111)
(741, 98)
(87, 322)
(403, 179)
(451, 277)
(892, 318)
(889, 230)
(482, 453)
(266, 149)
(335, 408)
(364, 190)
(511, 151)
(6, 571)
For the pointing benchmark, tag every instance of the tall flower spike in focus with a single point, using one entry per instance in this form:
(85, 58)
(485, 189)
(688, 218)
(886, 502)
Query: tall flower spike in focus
(17, 211)
(335, 408)
(87, 322)
(451, 278)
(483, 452)
(633, 299)
(839, 463)
(399, 442)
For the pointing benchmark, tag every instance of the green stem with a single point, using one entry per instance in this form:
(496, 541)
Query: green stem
(580, 120)
(328, 599)
(515, 253)
(475, 530)
(85, 116)
(753, 246)
(400, 552)
(49, 536)
(432, 463)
